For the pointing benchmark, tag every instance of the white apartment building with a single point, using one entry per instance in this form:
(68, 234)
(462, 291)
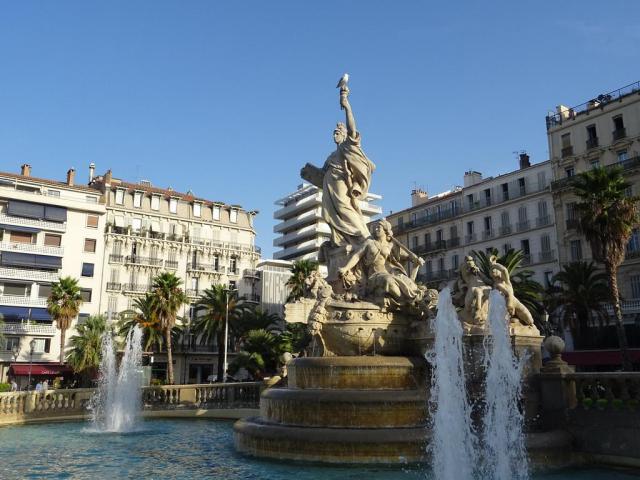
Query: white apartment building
(513, 210)
(301, 230)
(604, 131)
(204, 242)
(274, 275)
(49, 229)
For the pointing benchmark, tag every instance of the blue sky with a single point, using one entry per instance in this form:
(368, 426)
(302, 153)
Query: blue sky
(230, 99)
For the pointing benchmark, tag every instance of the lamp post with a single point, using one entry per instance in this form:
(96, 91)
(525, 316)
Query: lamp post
(15, 351)
(226, 334)
(32, 347)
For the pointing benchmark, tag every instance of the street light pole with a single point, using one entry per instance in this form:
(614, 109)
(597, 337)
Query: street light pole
(32, 347)
(226, 335)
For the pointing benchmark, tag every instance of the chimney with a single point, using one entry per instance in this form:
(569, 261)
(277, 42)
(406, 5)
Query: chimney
(25, 170)
(71, 176)
(418, 196)
(92, 171)
(471, 178)
(108, 177)
(524, 160)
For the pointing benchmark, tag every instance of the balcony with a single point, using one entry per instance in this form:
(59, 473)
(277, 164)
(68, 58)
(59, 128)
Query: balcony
(567, 151)
(628, 307)
(34, 223)
(526, 259)
(619, 134)
(23, 300)
(116, 258)
(145, 261)
(523, 226)
(32, 248)
(27, 328)
(572, 223)
(633, 252)
(205, 267)
(114, 287)
(136, 288)
(251, 273)
(434, 217)
(28, 274)
(437, 276)
(171, 264)
(548, 256)
(487, 234)
(543, 221)
(193, 293)
(470, 238)
(505, 230)
(592, 143)
(252, 298)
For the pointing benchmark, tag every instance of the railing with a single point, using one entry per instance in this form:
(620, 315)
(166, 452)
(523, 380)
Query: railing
(487, 234)
(172, 264)
(592, 143)
(31, 248)
(505, 230)
(23, 300)
(26, 328)
(627, 306)
(547, 256)
(567, 151)
(437, 276)
(18, 406)
(628, 164)
(35, 223)
(252, 297)
(434, 217)
(205, 267)
(523, 226)
(251, 273)
(116, 258)
(114, 286)
(28, 274)
(572, 223)
(606, 391)
(205, 396)
(619, 134)
(136, 288)
(543, 221)
(470, 238)
(192, 292)
(147, 261)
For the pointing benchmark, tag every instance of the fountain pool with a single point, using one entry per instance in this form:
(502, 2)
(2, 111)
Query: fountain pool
(177, 449)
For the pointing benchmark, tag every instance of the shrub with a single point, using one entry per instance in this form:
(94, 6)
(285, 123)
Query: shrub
(5, 387)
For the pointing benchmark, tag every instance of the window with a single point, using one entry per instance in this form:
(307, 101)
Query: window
(505, 248)
(52, 240)
(137, 199)
(548, 276)
(194, 284)
(216, 262)
(42, 345)
(487, 196)
(92, 221)
(429, 267)
(90, 245)
(566, 140)
(173, 205)
(11, 342)
(569, 172)
(112, 305)
(622, 155)
(592, 136)
(453, 231)
(441, 264)
(415, 242)
(22, 237)
(454, 262)
(85, 293)
(44, 291)
(542, 180)
(545, 243)
(439, 236)
(487, 224)
(504, 219)
(119, 196)
(19, 290)
(505, 191)
(524, 246)
(197, 209)
(522, 186)
(635, 286)
(634, 241)
(233, 264)
(136, 224)
(470, 201)
(233, 215)
(618, 128)
(216, 212)
(594, 163)
(232, 284)
(87, 269)
(155, 202)
(82, 318)
(53, 193)
(576, 250)
(470, 228)
(427, 238)
(542, 209)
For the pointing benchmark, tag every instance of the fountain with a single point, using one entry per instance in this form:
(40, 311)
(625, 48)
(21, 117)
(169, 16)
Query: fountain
(117, 402)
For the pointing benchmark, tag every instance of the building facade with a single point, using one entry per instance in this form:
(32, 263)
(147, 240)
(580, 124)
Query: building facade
(605, 131)
(300, 228)
(513, 210)
(49, 229)
(274, 275)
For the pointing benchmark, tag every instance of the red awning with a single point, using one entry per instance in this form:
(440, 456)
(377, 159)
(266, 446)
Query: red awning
(48, 369)
(598, 357)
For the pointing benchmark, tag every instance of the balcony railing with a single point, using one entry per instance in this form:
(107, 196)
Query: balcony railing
(114, 286)
(116, 258)
(487, 234)
(567, 151)
(505, 230)
(23, 300)
(619, 133)
(629, 164)
(453, 242)
(171, 264)
(31, 248)
(523, 226)
(592, 143)
(543, 221)
(547, 256)
(26, 328)
(28, 274)
(136, 287)
(470, 238)
(628, 307)
(632, 252)
(252, 298)
(430, 219)
(147, 261)
(194, 293)
(526, 259)
(251, 273)
(205, 267)
(31, 222)
(436, 276)
(572, 223)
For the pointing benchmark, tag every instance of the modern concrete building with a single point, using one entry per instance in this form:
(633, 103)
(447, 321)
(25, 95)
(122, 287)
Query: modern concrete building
(513, 210)
(603, 131)
(49, 229)
(301, 229)
(274, 275)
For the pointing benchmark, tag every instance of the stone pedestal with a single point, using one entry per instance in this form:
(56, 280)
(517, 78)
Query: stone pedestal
(343, 410)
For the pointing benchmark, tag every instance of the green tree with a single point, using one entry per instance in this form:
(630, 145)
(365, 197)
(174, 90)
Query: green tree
(86, 346)
(168, 298)
(579, 293)
(607, 216)
(63, 305)
(525, 288)
(295, 338)
(209, 324)
(143, 315)
(300, 270)
(259, 353)
(256, 319)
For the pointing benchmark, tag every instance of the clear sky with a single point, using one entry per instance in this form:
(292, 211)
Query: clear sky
(230, 99)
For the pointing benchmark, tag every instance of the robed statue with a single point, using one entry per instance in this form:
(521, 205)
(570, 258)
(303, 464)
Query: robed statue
(344, 180)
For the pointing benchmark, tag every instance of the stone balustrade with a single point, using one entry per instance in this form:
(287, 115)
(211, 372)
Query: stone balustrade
(205, 396)
(16, 407)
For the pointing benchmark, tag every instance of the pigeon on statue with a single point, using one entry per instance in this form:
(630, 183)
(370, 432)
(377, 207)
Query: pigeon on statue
(343, 81)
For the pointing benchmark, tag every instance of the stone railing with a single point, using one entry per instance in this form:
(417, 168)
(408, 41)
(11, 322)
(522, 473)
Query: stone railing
(205, 396)
(52, 404)
(606, 391)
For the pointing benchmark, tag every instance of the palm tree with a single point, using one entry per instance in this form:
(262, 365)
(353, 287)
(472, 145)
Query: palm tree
(63, 305)
(209, 323)
(525, 288)
(143, 315)
(168, 297)
(579, 296)
(86, 347)
(260, 353)
(256, 319)
(606, 218)
(300, 270)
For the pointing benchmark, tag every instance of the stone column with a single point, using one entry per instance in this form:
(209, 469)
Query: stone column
(557, 389)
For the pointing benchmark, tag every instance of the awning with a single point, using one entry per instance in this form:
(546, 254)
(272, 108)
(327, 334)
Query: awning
(45, 369)
(17, 314)
(16, 228)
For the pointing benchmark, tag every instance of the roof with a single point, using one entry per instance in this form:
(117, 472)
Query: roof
(433, 199)
(46, 181)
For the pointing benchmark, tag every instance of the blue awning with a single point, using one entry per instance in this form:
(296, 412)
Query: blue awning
(18, 314)
(17, 228)
(40, 315)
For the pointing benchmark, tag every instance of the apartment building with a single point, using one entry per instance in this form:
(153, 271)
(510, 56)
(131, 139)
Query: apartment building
(48, 229)
(513, 210)
(604, 131)
(274, 275)
(300, 227)
(150, 230)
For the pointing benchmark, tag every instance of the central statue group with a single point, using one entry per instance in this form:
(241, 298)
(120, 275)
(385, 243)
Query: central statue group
(362, 264)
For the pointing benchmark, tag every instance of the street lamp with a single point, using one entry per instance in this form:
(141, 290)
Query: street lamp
(15, 351)
(226, 333)
(32, 347)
